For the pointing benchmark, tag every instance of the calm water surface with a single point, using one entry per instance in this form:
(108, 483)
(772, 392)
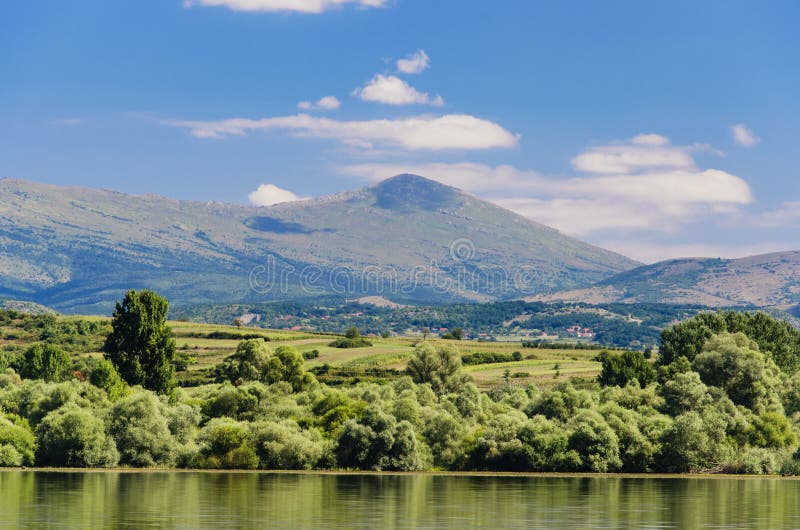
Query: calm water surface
(35, 499)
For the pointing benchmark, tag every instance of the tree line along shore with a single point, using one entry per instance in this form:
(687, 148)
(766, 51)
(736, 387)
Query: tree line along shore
(721, 396)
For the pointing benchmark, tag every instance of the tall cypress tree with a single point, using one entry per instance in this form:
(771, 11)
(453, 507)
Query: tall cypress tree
(140, 344)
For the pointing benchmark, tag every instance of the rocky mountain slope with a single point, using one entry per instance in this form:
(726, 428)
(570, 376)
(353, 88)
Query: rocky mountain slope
(407, 239)
(767, 280)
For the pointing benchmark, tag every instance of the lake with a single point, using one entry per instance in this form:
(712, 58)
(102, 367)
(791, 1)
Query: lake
(37, 499)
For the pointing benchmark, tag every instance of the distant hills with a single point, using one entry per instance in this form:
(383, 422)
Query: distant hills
(408, 238)
(767, 280)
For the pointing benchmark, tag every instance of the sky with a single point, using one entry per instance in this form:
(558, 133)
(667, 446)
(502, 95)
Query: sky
(655, 129)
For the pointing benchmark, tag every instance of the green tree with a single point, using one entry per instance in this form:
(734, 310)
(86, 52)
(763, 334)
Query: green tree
(439, 367)
(378, 441)
(140, 344)
(44, 361)
(74, 437)
(104, 375)
(226, 444)
(141, 431)
(695, 442)
(621, 369)
(16, 442)
(286, 364)
(775, 338)
(686, 392)
(734, 364)
(248, 363)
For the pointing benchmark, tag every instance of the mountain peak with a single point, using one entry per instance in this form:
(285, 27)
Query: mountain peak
(412, 192)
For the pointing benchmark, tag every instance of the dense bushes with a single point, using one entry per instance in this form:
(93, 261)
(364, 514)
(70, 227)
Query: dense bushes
(74, 437)
(486, 357)
(619, 369)
(253, 361)
(351, 339)
(44, 361)
(728, 407)
(777, 339)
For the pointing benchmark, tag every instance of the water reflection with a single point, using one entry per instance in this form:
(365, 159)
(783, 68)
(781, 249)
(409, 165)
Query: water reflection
(248, 500)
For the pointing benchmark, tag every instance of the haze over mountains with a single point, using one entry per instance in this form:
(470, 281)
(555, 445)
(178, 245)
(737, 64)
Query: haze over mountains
(408, 238)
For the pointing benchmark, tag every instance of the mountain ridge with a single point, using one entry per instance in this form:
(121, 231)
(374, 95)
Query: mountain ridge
(77, 249)
(762, 280)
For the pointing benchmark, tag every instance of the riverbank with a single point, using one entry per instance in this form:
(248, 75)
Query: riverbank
(467, 474)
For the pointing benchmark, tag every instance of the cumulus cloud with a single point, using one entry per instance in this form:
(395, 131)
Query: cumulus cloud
(643, 152)
(469, 176)
(324, 103)
(431, 133)
(787, 214)
(392, 90)
(269, 194)
(743, 135)
(655, 193)
(299, 6)
(414, 63)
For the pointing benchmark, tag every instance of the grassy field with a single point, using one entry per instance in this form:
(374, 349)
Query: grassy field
(206, 345)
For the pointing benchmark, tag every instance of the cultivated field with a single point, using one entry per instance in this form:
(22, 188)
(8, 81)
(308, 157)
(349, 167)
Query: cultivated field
(202, 346)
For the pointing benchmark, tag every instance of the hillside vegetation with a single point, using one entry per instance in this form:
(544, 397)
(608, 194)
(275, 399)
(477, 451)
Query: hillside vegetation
(768, 280)
(724, 396)
(620, 325)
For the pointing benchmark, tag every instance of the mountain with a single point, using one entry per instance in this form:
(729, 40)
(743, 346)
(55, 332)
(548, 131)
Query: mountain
(407, 238)
(767, 280)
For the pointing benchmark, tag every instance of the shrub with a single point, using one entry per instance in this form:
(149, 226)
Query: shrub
(439, 367)
(621, 368)
(248, 363)
(595, 442)
(487, 357)
(141, 431)
(74, 437)
(694, 443)
(16, 442)
(226, 444)
(285, 446)
(104, 375)
(345, 342)
(44, 361)
(733, 363)
(378, 442)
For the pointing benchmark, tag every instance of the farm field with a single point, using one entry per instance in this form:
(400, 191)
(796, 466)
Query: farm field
(200, 347)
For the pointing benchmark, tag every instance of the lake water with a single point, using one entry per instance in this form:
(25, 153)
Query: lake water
(35, 499)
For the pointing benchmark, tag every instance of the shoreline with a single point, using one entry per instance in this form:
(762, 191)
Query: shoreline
(366, 473)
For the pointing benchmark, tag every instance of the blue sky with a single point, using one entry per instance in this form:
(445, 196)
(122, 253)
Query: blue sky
(655, 129)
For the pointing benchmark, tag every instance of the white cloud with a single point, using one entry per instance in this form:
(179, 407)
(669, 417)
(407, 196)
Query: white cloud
(392, 90)
(432, 133)
(671, 191)
(788, 214)
(269, 194)
(467, 176)
(324, 103)
(743, 135)
(643, 152)
(299, 6)
(650, 139)
(650, 191)
(414, 63)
